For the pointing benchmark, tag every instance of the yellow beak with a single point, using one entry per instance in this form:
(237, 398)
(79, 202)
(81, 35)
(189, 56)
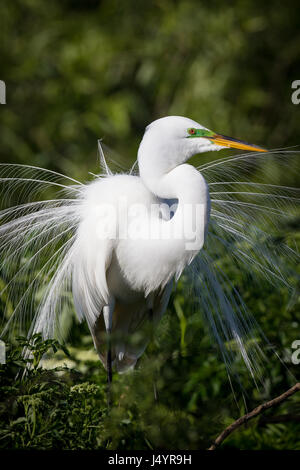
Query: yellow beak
(225, 141)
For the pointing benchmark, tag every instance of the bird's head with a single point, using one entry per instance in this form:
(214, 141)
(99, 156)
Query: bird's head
(186, 137)
(171, 141)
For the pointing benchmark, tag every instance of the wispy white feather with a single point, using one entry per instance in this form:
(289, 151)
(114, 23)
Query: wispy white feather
(39, 249)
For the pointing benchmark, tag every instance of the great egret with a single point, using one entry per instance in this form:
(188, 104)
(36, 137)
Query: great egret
(129, 279)
(131, 238)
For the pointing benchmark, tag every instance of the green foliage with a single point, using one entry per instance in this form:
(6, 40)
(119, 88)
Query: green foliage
(78, 71)
(43, 409)
(175, 399)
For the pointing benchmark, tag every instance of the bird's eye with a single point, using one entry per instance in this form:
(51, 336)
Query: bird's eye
(192, 131)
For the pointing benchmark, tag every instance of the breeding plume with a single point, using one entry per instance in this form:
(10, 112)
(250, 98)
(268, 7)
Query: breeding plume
(119, 243)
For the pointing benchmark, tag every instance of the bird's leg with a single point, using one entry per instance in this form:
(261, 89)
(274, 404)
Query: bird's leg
(107, 314)
(151, 315)
(109, 367)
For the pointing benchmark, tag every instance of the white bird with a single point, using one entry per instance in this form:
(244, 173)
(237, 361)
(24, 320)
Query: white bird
(119, 242)
(121, 283)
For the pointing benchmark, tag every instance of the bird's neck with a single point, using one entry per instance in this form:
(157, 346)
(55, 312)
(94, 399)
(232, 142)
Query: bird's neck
(188, 186)
(164, 176)
(184, 183)
(158, 159)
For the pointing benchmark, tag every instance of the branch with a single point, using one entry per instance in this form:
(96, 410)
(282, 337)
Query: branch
(257, 411)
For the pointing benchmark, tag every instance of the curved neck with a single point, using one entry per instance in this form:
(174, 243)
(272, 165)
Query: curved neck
(190, 221)
(184, 183)
(164, 173)
(158, 158)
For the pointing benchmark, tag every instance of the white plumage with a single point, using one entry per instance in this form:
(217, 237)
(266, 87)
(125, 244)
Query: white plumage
(130, 275)
(116, 246)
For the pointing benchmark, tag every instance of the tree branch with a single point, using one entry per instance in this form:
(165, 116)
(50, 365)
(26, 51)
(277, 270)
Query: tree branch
(257, 411)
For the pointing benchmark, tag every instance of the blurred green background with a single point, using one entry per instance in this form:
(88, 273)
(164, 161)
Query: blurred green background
(79, 70)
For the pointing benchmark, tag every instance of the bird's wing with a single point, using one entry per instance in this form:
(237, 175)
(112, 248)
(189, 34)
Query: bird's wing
(89, 285)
